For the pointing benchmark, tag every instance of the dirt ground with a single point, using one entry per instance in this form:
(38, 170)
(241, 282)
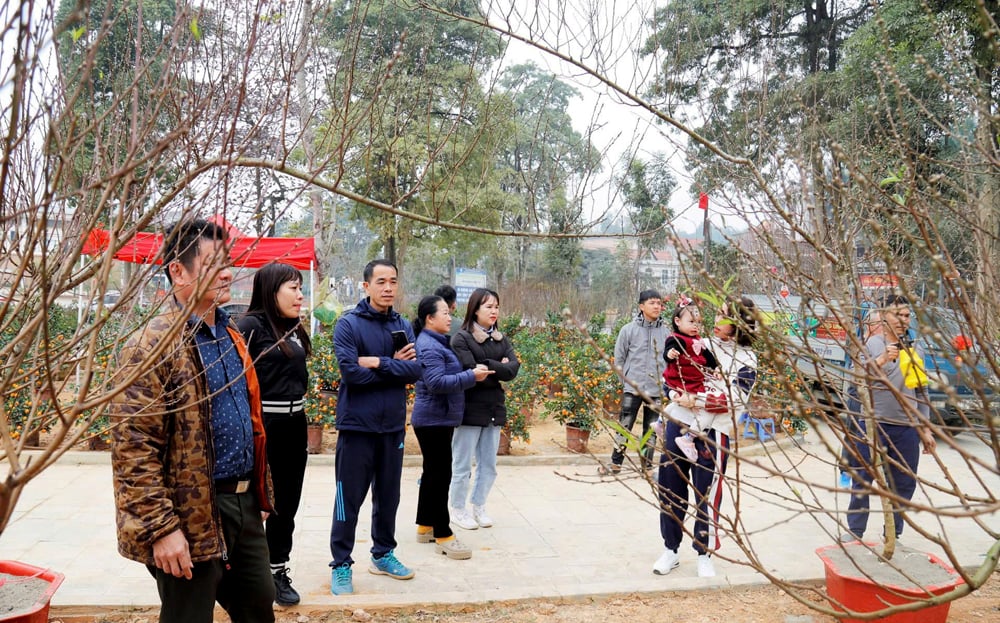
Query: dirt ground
(764, 604)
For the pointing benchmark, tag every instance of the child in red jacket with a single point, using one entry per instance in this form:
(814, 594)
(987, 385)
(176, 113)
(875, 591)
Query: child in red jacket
(689, 361)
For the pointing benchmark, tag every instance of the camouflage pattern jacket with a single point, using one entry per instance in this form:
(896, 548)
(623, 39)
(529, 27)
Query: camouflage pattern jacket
(162, 453)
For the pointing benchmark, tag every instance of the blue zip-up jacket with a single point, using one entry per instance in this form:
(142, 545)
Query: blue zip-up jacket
(441, 392)
(372, 401)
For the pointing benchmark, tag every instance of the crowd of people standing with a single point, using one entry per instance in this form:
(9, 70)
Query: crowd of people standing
(209, 451)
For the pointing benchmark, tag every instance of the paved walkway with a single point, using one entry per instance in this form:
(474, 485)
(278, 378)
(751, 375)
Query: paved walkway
(560, 531)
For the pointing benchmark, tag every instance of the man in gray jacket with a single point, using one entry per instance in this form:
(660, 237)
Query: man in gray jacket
(639, 355)
(901, 416)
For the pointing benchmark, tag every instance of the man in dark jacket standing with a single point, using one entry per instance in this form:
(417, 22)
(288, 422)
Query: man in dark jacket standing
(371, 424)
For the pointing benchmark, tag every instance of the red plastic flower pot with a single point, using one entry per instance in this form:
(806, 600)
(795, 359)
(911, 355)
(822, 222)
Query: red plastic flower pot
(37, 612)
(861, 583)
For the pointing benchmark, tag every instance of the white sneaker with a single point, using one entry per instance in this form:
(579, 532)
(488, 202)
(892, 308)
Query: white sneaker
(706, 569)
(479, 514)
(667, 562)
(463, 519)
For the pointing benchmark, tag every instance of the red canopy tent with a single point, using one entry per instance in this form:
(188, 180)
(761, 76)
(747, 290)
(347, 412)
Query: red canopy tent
(247, 251)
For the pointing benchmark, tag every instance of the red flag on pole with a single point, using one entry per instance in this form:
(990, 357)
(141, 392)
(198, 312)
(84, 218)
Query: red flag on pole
(703, 201)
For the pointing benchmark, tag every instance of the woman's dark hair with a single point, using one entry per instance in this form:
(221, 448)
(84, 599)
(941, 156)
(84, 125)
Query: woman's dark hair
(264, 302)
(741, 311)
(427, 306)
(476, 300)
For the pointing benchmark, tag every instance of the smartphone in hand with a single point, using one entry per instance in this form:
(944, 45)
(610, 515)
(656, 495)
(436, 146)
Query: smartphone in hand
(399, 340)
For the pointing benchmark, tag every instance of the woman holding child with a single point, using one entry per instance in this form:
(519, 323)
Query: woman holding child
(708, 382)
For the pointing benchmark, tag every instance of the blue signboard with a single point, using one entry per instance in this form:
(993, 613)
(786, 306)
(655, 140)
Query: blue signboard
(467, 280)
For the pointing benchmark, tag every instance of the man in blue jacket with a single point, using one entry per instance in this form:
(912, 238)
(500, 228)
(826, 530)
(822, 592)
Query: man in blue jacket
(371, 423)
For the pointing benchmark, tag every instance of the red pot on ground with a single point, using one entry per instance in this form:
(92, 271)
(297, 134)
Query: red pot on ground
(503, 449)
(25, 581)
(576, 439)
(314, 438)
(852, 567)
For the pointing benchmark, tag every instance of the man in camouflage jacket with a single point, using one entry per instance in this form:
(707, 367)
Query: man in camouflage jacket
(188, 452)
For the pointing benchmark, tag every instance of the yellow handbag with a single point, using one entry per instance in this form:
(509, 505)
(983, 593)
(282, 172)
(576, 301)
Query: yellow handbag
(912, 367)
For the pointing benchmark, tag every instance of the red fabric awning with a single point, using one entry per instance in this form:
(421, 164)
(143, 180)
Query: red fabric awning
(247, 251)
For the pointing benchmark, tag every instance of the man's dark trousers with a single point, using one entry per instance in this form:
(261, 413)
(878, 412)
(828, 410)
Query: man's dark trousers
(901, 444)
(366, 460)
(241, 584)
(629, 412)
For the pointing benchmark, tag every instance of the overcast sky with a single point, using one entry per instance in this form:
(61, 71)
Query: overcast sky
(612, 32)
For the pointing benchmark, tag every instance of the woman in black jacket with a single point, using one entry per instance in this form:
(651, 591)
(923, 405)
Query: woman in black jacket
(480, 342)
(279, 346)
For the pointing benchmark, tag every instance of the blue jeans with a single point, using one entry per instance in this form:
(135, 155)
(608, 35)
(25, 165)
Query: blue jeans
(469, 441)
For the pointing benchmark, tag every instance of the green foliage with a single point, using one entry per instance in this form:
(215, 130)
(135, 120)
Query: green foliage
(561, 371)
(61, 322)
(537, 163)
(563, 256)
(327, 318)
(17, 409)
(113, 60)
(114, 63)
(324, 380)
(609, 275)
(710, 48)
(646, 189)
(781, 390)
(524, 392)
(724, 259)
(26, 403)
(582, 385)
(423, 128)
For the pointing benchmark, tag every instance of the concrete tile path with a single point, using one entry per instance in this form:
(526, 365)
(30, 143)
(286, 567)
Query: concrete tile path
(560, 531)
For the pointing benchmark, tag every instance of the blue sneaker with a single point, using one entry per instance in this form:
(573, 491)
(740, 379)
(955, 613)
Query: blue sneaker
(389, 565)
(845, 480)
(341, 580)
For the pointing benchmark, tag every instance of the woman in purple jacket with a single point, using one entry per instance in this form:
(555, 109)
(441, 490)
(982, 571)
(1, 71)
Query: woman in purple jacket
(437, 410)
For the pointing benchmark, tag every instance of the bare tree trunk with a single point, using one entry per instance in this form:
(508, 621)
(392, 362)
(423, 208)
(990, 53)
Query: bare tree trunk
(987, 213)
(305, 110)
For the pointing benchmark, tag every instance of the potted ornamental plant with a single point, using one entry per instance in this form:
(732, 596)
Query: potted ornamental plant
(526, 390)
(574, 404)
(321, 400)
